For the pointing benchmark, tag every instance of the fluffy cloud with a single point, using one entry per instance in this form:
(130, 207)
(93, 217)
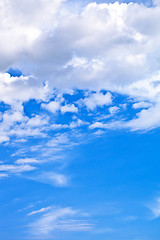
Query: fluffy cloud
(109, 47)
(21, 23)
(14, 90)
(98, 99)
(53, 106)
(146, 119)
(105, 46)
(102, 46)
(69, 108)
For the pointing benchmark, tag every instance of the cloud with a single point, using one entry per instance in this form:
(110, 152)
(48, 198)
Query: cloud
(53, 106)
(147, 119)
(63, 219)
(106, 46)
(27, 88)
(113, 110)
(98, 99)
(37, 121)
(56, 126)
(155, 208)
(9, 168)
(52, 178)
(3, 175)
(26, 161)
(110, 125)
(39, 211)
(141, 105)
(22, 23)
(69, 108)
(110, 52)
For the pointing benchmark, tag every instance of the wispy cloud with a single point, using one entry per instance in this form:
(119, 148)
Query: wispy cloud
(26, 161)
(3, 175)
(154, 207)
(52, 178)
(8, 168)
(39, 211)
(62, 219)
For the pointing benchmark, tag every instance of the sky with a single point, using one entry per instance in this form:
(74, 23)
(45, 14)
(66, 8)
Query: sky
(79, 120)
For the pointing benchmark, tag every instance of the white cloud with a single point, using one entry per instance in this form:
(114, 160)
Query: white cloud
(64, 219)
(52, 178)
(53, 106)
(4, 138)
(141, 105)
(26, 161)
(107, 46)
(69, 108)
(147, 119)
(27, 88)
(3, 175)
(78, 123)
(39, 211)
(37, 121)
(8, 168)
(110, 125)
(113, 110)
(98, 99)
(155, 208)
(55, 126)
(21, 24)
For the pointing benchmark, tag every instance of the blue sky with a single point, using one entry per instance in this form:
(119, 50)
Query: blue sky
(79, 120)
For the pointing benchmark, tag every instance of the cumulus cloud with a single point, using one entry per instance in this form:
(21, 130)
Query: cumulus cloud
(109, 46)
(69, 108)
(53, 106)
(38, 121)
(106, 50)
(22, 22)
(146, 119)
(106, 45)
(113, 110)
(15, 90)
(98, 99)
